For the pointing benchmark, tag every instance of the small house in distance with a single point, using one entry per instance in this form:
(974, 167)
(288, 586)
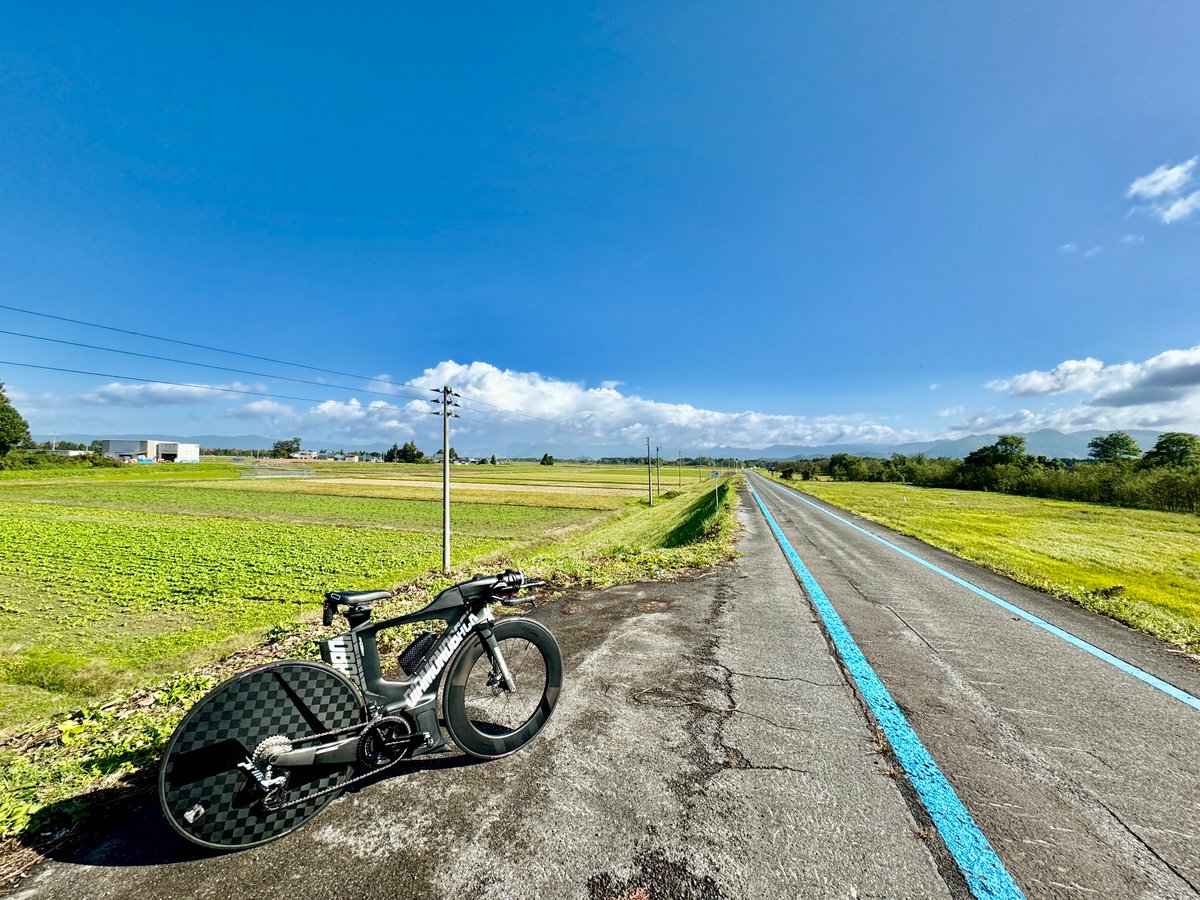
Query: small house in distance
(150, 451)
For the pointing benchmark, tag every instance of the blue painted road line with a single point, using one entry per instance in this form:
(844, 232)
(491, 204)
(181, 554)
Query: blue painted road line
(985, 873)
(1128, 668)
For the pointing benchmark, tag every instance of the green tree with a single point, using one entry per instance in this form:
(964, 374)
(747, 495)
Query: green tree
(1174, 448)
(284, 449)
(392, 454)
(1115, 448)
(494, 459)
(14, 430)
(410, 454)
(453, 453)
(1011, 446)
(547, 460)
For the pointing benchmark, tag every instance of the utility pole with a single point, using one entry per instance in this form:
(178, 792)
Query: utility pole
(679, 468)
(658, 468)
(447, 415)
(649, 473)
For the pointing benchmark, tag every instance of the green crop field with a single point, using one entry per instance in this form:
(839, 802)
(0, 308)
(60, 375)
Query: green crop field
(110, 576)
(1137, 566)
(124, 589)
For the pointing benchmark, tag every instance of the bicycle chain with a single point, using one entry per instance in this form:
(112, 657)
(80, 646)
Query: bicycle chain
(340, 786)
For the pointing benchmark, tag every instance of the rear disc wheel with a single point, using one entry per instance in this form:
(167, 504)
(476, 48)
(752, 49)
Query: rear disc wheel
(213, 803)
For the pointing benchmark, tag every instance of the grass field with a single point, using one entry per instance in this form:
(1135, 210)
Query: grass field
(1137, 566)
(110, 576)
(125, 587)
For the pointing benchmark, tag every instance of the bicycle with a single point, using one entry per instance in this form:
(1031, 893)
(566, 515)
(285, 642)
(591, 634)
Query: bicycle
(266, 750)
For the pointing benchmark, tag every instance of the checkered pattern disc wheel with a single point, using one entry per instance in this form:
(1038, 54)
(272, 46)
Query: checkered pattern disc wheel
(210, 801)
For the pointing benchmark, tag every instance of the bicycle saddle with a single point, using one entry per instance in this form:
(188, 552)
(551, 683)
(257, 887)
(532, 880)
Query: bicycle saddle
(358, 604)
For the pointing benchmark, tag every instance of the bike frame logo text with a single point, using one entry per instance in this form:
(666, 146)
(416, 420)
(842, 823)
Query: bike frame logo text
(430, 668)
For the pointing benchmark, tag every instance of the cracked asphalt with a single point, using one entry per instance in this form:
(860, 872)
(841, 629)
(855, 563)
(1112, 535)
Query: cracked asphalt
(706, 745)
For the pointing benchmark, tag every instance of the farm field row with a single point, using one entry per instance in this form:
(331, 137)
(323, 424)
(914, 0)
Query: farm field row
(114, 576)
(1138, 566)
(271, 501)
(631, 477)
(97, 598)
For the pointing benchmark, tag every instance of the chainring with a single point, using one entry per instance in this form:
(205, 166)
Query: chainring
(384, 742)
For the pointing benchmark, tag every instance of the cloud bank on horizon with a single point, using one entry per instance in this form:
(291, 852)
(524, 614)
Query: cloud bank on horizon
(1161, 393)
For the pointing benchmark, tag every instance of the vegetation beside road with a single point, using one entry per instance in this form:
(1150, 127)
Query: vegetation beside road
(1139, 567)
(1117, 473)
(125, 576)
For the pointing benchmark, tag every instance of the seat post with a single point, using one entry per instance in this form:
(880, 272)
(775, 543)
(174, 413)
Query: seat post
(357, 615)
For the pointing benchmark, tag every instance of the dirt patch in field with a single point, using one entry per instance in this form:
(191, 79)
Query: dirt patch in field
(485, 486)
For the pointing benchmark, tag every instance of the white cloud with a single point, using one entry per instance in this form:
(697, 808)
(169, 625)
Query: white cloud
(1122, 383)
(1133, 239)
(1093, 251)
(1164, 189)
(1160, 392)
(934, 387)
(119, 393)
(501, 404)
(1179, 208)
(1163, 180)
(1068, 248)
(952, 411)
(1072, 375)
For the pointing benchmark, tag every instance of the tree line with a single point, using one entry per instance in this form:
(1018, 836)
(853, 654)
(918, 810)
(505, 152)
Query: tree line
(1116, 471)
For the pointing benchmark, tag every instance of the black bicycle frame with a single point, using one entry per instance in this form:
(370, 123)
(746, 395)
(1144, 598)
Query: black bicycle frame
(464, 609)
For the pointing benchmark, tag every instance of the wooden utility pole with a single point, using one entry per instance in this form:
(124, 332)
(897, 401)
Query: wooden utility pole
(649, 473)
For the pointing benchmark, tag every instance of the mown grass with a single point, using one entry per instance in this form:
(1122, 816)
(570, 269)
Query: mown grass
(1137, 566)
(692, 529)
(57, 775)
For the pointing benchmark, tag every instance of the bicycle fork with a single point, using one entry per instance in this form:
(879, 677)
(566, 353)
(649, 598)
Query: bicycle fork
(499, 666)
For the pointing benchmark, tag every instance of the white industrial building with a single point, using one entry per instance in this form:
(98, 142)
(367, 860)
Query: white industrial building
(150, 451)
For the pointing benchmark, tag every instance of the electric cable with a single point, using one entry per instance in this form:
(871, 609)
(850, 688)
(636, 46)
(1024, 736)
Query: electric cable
(185, 362)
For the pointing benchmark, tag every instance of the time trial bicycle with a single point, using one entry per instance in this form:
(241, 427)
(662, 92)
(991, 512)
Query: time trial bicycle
(269, 748)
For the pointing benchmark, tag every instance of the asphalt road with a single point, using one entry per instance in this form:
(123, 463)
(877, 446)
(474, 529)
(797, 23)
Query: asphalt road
(1084, 779)
(706, 745)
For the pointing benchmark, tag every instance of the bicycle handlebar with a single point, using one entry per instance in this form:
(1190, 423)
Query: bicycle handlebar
(511, 582)
(502, 588)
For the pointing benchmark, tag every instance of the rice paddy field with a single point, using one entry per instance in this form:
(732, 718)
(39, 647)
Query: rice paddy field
(1140, 567)
(112, 576)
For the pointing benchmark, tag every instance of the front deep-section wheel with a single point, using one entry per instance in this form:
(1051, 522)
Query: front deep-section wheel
(208, 799)
(483, 716)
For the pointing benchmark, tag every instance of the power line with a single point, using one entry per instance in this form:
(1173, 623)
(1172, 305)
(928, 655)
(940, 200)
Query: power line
(155, 337)
(546, 423)
(477, 417)
(474, 413)
(505, 409)
(269, 359)
(202, 387)
(185, 362)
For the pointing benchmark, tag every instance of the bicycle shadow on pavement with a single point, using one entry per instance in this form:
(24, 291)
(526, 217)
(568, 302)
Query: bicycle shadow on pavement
(140, 836)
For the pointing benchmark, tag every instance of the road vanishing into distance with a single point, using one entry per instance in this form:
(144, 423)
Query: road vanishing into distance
(1084, 777)
(711, 743)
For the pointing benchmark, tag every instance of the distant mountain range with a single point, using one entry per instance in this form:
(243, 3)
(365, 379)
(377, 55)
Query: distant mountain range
(1045, 442)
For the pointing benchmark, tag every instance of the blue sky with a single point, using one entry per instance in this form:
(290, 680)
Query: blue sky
(709, 223)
